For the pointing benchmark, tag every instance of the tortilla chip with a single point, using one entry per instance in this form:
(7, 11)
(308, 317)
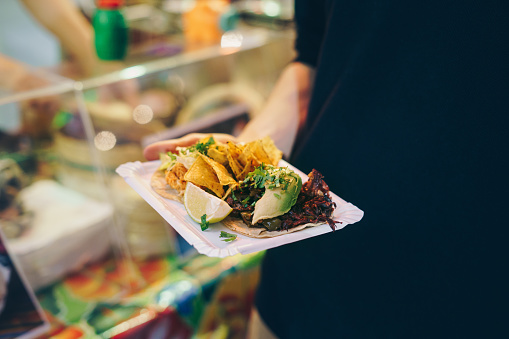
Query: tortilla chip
(222, 174)
(239, 226)
(247, 156)
(233, 155)
(218, 153)
(247, 169)
(242, 160)
(161, 187)
(202, 174)
(271, 150)
(256, 151)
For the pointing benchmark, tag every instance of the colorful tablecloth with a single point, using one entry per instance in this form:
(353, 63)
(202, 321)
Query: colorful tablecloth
(164, 297)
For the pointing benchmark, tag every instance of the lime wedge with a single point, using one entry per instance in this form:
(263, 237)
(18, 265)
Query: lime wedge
(198, 202)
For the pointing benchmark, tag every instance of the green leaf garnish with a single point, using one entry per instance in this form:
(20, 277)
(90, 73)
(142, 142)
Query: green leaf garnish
(203, 148)
(269, 176)
(245, 201)
(204, 223)
(277, 195)
(228, 237)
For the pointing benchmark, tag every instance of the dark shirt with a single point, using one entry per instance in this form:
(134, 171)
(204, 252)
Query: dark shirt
(408, 122)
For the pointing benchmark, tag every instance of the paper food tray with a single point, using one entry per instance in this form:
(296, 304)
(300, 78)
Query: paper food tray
(138, 175)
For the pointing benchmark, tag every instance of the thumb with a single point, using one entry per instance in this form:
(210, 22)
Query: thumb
(151, 152)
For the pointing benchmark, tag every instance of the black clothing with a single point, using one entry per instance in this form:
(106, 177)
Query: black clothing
(408, 122)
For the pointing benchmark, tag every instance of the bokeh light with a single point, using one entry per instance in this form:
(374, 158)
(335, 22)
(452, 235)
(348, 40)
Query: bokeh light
(231, 40)
(143, 114)
(271, 8)
(105, 140)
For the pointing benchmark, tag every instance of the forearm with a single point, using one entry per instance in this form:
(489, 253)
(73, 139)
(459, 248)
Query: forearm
(12, 71)
(285, 110)
(65, 21)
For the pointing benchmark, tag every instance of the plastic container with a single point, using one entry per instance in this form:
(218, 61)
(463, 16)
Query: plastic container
(111, 30)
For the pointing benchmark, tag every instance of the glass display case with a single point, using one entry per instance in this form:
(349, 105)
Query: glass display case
(87, 243)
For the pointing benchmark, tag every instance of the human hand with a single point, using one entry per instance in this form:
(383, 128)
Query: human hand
(37, 112)
(151, 152)
(27, 81)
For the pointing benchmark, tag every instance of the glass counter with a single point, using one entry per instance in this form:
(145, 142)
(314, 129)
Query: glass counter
(81, 235)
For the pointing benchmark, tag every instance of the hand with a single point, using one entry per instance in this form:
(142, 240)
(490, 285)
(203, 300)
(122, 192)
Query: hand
(29, 81)
(37, 112)
(151, 152)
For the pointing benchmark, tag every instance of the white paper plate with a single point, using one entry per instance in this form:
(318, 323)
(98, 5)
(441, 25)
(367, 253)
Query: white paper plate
(138, 174)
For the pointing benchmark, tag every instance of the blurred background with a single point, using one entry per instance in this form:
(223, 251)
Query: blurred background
(85, 86)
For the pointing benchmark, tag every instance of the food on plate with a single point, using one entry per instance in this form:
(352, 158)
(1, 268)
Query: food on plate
(269, 210)
(243, 184)
(199, 203)
(211, 165)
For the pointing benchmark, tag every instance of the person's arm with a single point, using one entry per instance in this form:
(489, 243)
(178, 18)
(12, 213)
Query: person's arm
(284, 112)
(65, 21)
(286, 109)
(12, 72)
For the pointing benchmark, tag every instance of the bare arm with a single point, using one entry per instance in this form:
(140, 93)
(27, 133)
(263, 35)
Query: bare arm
(286, 109)
(283, 115)
(64, 20)
(12, 72)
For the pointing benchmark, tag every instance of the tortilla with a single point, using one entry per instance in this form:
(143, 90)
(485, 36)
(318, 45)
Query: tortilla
(161, 187)
(239, 226)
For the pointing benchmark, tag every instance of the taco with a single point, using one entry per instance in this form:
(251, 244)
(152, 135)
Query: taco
(267, 200)
(272, 201)
(213, 166)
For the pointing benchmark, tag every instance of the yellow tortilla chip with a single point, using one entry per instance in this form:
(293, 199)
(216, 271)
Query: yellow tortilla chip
(218, 153)
(271, 150)
(241, 160)
(255, 150)
(221, 172)
(202, 174)
(248, 168)
(235, 166)
(233, 155)
(246, 156)
(263, 151)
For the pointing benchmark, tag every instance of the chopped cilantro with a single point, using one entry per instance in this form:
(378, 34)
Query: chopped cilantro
(277, 195)
(228, 237)
(204, 223)
(203, 148)
(270, 176)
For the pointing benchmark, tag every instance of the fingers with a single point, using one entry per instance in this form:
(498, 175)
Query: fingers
(151, 152)
(221, 137)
